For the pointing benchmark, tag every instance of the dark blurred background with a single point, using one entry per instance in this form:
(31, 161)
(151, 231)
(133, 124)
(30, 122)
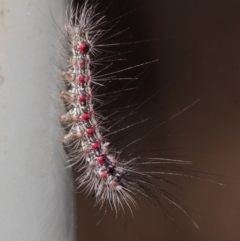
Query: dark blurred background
(199, 58)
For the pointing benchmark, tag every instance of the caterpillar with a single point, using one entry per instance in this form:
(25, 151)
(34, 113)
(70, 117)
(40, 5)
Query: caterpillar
(114, 181)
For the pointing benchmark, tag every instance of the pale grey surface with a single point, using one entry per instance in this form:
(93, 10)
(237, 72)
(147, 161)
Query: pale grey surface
(36, 191)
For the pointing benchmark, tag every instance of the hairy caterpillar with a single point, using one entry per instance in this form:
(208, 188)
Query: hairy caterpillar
(116, 180)
(102, 171)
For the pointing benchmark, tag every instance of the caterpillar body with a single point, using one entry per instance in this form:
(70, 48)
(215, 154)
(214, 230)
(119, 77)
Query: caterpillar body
(115, 182)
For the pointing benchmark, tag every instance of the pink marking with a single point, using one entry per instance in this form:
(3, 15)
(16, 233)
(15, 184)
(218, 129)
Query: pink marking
(89, 131)
(95, 145)
(100, 160)
(81, 79)
(81, 62)
(82, 47)
(103, 174)
(85, 116)
(82, 98)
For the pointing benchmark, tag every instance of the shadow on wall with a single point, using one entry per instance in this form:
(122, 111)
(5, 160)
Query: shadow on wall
(199, 58)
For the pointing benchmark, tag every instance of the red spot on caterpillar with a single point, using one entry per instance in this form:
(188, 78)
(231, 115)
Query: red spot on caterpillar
(82, 47)
(95, 145)
(81, 78)
(89, 131)
(100, 160)
(82, 98)
(103, 174)
(86, 116)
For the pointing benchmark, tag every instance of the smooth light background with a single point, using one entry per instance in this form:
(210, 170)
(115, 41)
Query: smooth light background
(199, 59)
(36, 188)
